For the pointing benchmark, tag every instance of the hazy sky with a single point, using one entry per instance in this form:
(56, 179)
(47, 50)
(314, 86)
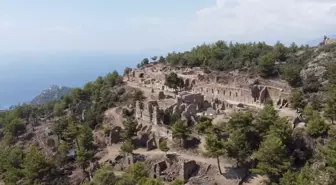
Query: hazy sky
(152, 25)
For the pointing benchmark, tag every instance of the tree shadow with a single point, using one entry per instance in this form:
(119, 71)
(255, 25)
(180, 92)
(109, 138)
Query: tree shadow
(235, 173)
(192, 143)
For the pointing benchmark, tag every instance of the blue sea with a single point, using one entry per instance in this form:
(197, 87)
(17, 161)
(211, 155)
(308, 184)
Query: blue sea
(24, 76)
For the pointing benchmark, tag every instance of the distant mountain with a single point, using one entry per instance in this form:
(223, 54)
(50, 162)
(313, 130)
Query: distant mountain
(54, 92)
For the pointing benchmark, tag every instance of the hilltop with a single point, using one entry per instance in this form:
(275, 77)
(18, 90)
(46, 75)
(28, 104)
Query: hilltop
(224, 113)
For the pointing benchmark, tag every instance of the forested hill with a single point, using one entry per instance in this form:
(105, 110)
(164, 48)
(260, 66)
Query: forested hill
(264, 143)
(298, 65)
(54, 92)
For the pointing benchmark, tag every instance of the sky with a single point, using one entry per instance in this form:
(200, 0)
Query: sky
(126, 26)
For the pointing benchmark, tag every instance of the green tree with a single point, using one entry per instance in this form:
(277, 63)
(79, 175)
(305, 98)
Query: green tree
(178, 182)
(13, 175)
(282, 129)
(145, 61)
(113, 79)
(181, 131)
(58, 109)
(62, 149)
(15, 126)
(267, 65)
(83, 158)
(127, 70)
(71, 132)
(104, 176)
(296, 99)
(330, 106)
(316, 125)
(293, 48)
(15, 158)
(85, 137)
(311, 84)
(163, 146)
(238, 147)
(329, 152)
(332, 132)
(139, 95)
(215, 148)
(305, 176)
(266, 118)
(130, 129)
(59, 127)
(125, 180)
(308, 112)
(127, 147)
(280, 51)
(292, 75)
(35, 164)
(244, 137)
(137, 172)
(241, 120)
(203, 126)
(174, 81)
(289, 178)
(331, 73)
(162, 59)
(272, 157)
(150, 181)
(154, 58)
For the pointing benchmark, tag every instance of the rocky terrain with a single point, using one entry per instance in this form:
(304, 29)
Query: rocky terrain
(169, 123)
(54, 92)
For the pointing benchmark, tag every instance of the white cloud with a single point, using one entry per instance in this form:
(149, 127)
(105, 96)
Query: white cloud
(265, 20)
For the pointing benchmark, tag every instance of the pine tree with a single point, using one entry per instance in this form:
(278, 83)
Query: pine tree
(164, 146)
(34, 164)
(137, 172)
(83, 158)
(266, 118)
(104, 176)
(130, 129)
(289, 178)
(305, 176)
(296, 99)
(330, 106)
(127, 147)
(239, 147)
(316, 125)
(272, 157)
(181, 131)
(215, 148)
(85, 138)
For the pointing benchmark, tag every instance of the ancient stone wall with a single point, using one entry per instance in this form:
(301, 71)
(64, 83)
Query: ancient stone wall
(255, 95)
(188, 168)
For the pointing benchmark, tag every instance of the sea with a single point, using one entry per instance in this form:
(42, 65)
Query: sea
(24, 76)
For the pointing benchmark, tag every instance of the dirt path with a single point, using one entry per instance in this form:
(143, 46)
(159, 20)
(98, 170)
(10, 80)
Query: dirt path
(114, 116)
(113, 151)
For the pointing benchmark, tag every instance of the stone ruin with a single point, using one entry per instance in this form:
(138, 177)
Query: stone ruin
(113, 136)
(204, 94)
(172, 167)
(230, 88)
(122, 162)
